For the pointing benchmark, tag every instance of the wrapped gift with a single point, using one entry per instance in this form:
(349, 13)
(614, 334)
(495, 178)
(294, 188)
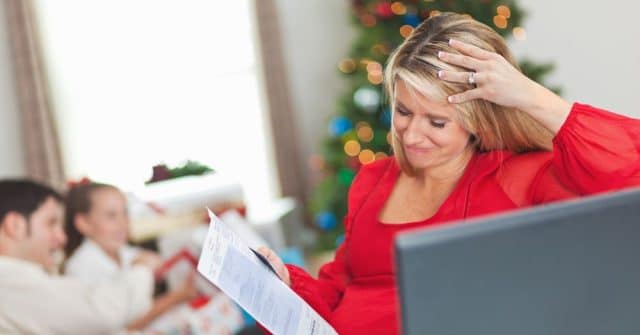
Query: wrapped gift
(211, 313)
(167, 206)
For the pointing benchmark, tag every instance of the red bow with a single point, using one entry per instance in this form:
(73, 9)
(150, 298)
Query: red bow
(81, 182)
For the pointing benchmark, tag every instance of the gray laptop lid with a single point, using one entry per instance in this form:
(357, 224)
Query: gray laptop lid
(570, 268)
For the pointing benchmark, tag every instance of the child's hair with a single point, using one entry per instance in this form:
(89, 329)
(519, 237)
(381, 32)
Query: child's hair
(79, 202)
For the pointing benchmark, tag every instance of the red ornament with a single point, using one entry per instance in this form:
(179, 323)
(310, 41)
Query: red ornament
(383, 10)
(77, 183)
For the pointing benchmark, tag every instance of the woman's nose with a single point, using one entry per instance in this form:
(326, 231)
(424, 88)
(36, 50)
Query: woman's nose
(415, 131)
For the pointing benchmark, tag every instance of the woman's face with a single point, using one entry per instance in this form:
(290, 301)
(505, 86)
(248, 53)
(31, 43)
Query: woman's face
(107, 223)
(427, 129)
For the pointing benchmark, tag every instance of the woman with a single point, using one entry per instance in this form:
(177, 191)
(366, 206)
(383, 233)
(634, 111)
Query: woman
(471, 136)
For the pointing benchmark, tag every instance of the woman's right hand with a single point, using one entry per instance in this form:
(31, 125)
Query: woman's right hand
(277, 264)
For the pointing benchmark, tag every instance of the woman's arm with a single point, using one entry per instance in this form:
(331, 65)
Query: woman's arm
(324, 293)
(593, 150)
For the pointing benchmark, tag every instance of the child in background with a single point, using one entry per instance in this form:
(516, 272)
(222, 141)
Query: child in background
(97, 224)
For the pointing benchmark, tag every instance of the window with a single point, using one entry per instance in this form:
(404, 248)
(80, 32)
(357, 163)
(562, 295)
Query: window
(136, 83)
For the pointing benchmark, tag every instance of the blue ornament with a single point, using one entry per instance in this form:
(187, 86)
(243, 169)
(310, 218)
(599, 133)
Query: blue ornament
(339, 240)
(339, 126)
(385, 117)
(326, 220)
(412, 20)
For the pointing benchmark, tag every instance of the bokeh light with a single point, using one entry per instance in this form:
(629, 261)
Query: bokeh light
(500, 21)
(406, 30)
(366, 156)
(347, 65)
(519, 33)
(352, 148)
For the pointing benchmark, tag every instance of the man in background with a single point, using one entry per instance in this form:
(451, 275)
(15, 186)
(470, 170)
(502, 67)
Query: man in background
(36, 302)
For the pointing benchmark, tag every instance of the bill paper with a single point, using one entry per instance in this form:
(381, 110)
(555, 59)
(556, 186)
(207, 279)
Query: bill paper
(231, 265)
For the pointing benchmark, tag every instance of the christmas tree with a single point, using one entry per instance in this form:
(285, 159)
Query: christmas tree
(359, 131)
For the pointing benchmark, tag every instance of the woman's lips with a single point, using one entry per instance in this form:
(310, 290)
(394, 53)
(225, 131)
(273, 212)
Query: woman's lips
(417, 150)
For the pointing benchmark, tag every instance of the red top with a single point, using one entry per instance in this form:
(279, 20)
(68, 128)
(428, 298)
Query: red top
(594, 151)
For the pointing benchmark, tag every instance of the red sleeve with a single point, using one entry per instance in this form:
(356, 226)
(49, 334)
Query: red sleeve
(597, 151)
(324, 293)
(594, 151)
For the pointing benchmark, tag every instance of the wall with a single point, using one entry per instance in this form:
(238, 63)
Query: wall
(594, 46)
(316, 35)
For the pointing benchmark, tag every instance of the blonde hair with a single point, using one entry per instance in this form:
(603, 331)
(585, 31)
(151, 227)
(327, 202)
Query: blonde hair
(416, 62)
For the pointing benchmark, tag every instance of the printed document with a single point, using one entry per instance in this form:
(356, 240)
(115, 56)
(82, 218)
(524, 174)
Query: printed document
(232, 266)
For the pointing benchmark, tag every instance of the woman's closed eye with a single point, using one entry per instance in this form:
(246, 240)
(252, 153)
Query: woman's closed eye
(438, 123)
(402, 112)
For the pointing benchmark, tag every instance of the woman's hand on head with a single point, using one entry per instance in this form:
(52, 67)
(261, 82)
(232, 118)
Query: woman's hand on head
(277, 264)
(497, 81)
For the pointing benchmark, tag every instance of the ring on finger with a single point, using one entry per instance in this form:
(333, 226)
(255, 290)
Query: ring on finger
(472, 78)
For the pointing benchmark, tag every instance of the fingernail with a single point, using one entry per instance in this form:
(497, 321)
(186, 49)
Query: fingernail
(440, 54)
(450, 99)
(451, 41)
(440, 74)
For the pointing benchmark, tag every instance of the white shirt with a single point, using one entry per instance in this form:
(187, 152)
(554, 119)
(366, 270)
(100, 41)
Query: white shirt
(90, 262)
(34, 302)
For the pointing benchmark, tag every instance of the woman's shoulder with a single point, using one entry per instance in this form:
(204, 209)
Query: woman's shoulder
(510, 168)
(367, 178)
(500, 160)
(377, 168)
(372, 173)
(514, 173)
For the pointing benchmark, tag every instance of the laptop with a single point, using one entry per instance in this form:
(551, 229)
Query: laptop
(571, 268)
